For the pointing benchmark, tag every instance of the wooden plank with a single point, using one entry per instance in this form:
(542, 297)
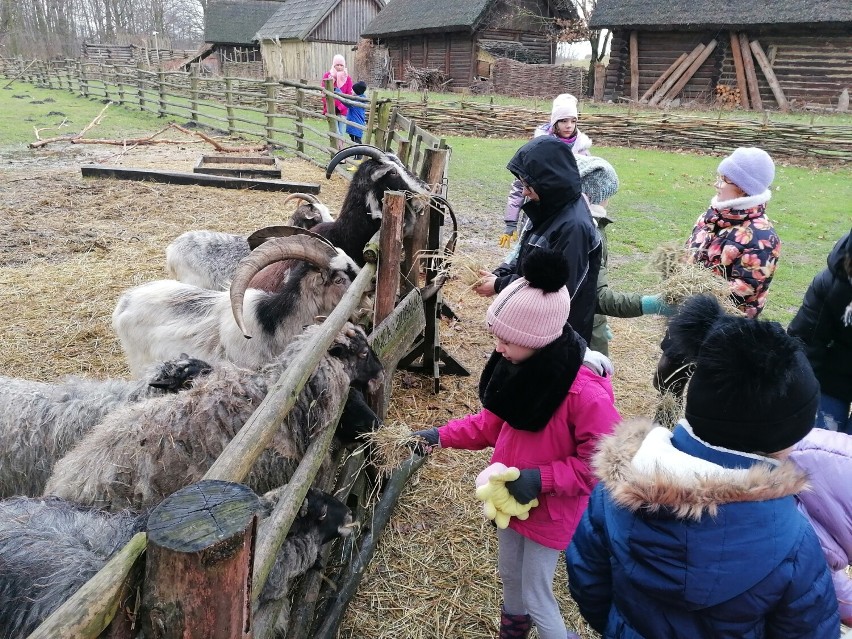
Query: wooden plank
(737, 55)
(675, 76)
(634, 66)
(390, 250)
(763, 61)
(659, 81)
(687, 75)
(751, 76)
(198, 179)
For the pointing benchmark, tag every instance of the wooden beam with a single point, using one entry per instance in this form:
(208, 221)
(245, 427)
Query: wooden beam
(674, 65)
(390, 251)
(751, 76)
(737, 55)
(197, 179)
(687, 75)
(766, 67)
(634, 66)
(664, 89)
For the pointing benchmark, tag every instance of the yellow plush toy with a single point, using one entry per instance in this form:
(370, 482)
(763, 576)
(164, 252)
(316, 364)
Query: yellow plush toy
(497, 503)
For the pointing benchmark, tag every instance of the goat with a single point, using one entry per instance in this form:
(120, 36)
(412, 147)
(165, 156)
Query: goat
(208, 259)
(163, 317)
(40, 422)
(50, 547)
(144, 452)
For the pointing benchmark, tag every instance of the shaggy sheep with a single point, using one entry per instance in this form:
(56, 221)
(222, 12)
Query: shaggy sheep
(160, 318)
(208, 259)
(144, 452)
(50, 547)
(40, 422)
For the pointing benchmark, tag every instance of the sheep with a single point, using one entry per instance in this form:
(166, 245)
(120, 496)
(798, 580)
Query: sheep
(40, 422)
(208, 259)
(163, 317)
(50, 547)
(140, 454)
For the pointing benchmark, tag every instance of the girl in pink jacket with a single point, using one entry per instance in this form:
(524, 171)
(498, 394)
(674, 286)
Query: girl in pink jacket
(543, 413)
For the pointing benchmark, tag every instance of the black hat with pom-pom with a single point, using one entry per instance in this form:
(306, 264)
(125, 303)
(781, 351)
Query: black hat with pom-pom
(532, 310)
(753, 389)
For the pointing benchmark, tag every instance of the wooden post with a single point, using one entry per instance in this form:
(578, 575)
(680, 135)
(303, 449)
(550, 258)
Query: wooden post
(600, 82)
(382, 132)
(634, 66)
(751, 76)
(84, 82)
(229, 104)
(300, 105)
(687, 75)
(371, 117)
(140, 84)
(763, 61)
(161, 89)
(737, 55)
(198, 568)
(660, 80)
(390, 249)
(271, 85)
(193, 93)
(675, 75)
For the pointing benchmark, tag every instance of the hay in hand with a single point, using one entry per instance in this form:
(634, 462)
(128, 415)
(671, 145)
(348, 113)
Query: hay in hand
(683, 278)
(466, 269)
(388, 447)
(669, 410)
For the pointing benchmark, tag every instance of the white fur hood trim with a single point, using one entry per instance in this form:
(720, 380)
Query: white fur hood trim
(742, 203)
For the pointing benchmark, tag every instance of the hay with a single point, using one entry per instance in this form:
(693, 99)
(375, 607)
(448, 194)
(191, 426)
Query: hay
(465, 268)
(682, 278)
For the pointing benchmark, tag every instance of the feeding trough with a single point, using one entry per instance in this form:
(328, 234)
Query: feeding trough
(259, 167)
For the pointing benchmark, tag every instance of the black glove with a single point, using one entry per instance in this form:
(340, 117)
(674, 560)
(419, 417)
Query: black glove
(526, 487)
(424, 440)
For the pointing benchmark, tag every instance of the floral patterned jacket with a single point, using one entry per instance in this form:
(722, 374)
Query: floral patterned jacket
(737, 241)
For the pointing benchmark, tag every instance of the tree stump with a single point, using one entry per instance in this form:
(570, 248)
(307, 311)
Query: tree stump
(199, 564)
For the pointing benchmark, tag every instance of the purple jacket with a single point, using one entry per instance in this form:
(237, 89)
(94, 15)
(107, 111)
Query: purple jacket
(827, 458)
(561, 451)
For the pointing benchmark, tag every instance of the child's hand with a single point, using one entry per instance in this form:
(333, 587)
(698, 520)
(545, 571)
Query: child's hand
(485, 286)
(424, 441)
(526, 487)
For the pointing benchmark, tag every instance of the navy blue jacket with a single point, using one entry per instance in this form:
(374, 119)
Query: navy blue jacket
(683, 540)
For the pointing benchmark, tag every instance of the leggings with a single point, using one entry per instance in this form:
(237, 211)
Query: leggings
(527, 569)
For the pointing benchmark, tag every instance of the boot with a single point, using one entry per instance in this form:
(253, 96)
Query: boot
(514, 626)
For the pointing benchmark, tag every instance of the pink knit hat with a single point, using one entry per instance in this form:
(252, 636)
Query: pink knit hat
(532, 311)
(564, 106)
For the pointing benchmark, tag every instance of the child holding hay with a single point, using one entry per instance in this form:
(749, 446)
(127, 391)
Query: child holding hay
(549, 435)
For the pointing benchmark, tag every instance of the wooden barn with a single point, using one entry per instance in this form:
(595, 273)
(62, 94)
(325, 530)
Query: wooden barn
(301, 38)
(463, 38)
(230, 27)
(756, 53)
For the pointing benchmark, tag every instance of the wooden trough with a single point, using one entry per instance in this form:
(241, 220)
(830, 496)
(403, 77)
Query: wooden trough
(255, 168)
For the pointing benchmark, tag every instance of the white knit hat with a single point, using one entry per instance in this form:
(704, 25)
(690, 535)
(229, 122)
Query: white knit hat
(564, 106)
(750, 168)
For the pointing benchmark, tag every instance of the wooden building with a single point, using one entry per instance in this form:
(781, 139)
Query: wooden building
(230, 27)
(301, 38)
(462, 38)
(806, 44)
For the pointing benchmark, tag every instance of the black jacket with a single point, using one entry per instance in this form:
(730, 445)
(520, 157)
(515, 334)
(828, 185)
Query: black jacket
(561, 221)
(820, 324)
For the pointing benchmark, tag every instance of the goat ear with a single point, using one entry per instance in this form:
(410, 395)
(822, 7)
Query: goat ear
(303, 511)
(382, 170)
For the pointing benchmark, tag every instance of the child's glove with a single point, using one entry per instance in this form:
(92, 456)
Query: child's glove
(526, 487)
(423, 441)
(507, 238)
(654, 305)
(498, 503)
(598, 362)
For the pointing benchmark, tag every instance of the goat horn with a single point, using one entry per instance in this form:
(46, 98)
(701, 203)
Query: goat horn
(307, 197)
(276, 249)
(271, 232)
(359, 149)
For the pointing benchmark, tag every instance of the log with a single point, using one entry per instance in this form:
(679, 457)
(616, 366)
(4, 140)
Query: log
(687, 75)
(664, 89)
(600, 82)
(763, 61)
(663, 77)
(751, 76)
(198, 566)
(737, 55)
(390, 251)
(634, 66)
(199, 179)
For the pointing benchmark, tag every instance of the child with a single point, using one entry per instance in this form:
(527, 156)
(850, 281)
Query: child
(695, 532)
(559, 219)
(563, 127)
(342, 83)
(736, 240)
(356, 113)
(543, 412)
(824, 324)
(827, 459)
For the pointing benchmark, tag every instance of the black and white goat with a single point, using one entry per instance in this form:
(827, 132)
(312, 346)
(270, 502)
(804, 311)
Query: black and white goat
(139, 455)
(41, 421)
(208, 259)
(50, 547)
(160, 318)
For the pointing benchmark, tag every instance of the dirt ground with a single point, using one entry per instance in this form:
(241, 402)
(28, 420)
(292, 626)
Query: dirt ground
(70, 246)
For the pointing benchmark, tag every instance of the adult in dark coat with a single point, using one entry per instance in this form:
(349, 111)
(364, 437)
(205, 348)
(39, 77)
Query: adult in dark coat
(824, 324)
(560, 220)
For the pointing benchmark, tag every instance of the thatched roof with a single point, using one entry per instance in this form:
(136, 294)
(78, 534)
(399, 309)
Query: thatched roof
(295, 19)
(236, 21)
(718, 13)
(402, 17)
